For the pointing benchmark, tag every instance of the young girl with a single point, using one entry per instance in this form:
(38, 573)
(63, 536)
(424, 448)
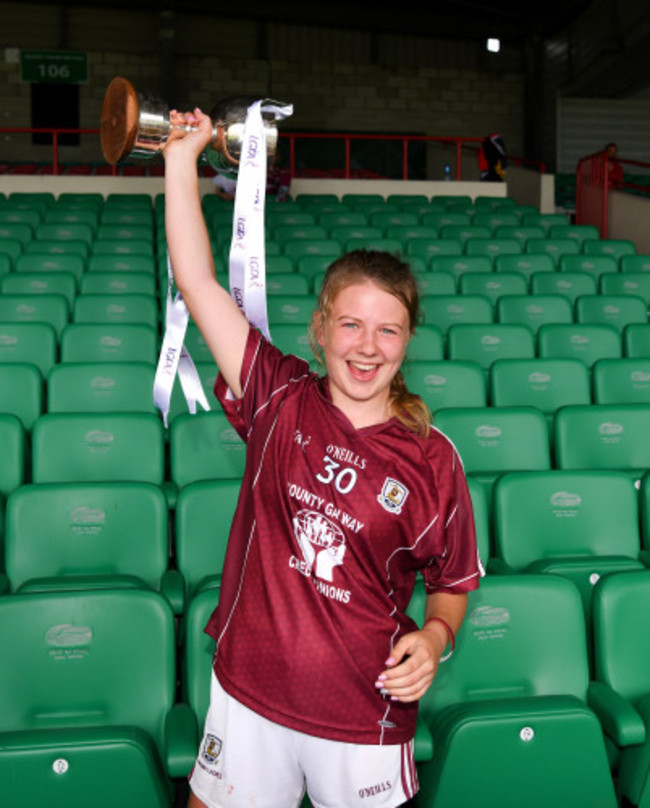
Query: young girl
(347, 494)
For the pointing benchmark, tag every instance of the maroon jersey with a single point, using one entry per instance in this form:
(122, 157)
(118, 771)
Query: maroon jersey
(332, 526)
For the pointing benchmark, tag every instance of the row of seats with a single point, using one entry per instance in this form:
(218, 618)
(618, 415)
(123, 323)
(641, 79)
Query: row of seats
(119, 446)
(85, 696)
(126, 386)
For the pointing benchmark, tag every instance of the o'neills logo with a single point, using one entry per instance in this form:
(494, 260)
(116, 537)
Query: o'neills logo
(489, 616)
(539, 378)
(487, 431)
(609, 429)
(372, 791)
(565, 499)
(490, 339)
(432, 380)
(8, 339)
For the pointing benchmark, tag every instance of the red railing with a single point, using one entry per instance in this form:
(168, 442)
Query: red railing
(457, 144)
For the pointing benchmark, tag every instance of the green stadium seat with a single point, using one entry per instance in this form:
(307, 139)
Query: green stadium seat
(13, 450)
(465, 232)
(527, 264)
(16, 231)
(11, 215)
(570, 285)
(49, 231)
(51, 309)
(109, 342)
(42, 262)
(555, 247)
(621, 381)
(98, 447)
(5, 264)
(579, 524)
(40, 283)
(287, 283)
(587, 342)
(615, 248)
(141, 217)
(427, 343)
(10, 249)
(636, 340)
(495, 219)
(279, 264)
(101, 387)
(88, 536)
(495, 440)
(21, 392)
(492, 247)
(595, 265)
(33, 343)
(64, 215)
(484, 344)
(603, 436)
(634, 263)
(438, 220)
(389, 245)
(619, 692)
(385, 219)
(545, 220)
(293, 338)
(579, 232)
(626, 283)
(493, 285)
(444, 311)
(124, 232)
(520, 233)
(122, 247)
(128, 201)
(292, 232)
(436, 283)
(546, 384)
(443, 384)
(84, 698)
(407, 199)
(513, 698)
(310, 266)
(458, 265)
(404, 232)
(534, 310)
(296, 248)
(615, 310)
(121, 263)
(205, 446)
(203, 516)
(290, 308)
(118, 283)
(58, 247)
(482, 520)
(123, 309)
(428, 248)
(342, 218)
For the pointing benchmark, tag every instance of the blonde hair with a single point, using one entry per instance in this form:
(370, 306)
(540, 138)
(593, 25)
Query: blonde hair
(395, 277)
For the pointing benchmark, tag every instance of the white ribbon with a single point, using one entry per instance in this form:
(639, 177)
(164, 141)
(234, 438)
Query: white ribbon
(247, 269)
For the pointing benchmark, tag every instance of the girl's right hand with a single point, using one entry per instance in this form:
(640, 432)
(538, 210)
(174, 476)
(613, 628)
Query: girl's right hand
(189, 142)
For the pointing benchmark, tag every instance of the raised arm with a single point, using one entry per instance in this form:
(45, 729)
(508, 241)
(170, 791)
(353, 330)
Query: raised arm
(216, 314)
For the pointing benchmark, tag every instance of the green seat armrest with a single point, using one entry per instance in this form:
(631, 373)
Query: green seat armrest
(617, 716)
(423, 749)
(172, 586)
(181, 740)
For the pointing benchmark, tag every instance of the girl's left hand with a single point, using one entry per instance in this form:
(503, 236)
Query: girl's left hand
(411, 667)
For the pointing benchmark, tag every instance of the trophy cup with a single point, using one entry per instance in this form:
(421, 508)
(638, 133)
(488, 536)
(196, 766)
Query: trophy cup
(133, 124)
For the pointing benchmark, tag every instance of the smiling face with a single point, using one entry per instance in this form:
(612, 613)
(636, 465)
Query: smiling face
(364, 337)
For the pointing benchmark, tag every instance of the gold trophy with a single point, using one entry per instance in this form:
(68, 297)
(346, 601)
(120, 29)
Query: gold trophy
(137, 125)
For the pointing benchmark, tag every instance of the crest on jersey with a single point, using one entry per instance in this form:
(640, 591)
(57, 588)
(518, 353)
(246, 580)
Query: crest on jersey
(321, 541)
(211, 748)
(393, 495)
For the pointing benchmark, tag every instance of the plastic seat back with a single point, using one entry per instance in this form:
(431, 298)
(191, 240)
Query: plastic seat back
(84, 696)
(534, 310)
(445, 311)
(290, 308)
(21, 392)
(546, 384)
(31, 343)
(593, 264)
(13, 448)
(447, 384)
(603, 436)
(616, 248)
(494, 285)
(587, 342)
(86, 535)
(107, 387)
(568, 284)
(459, 265)
(52, 309)
(205, 446)
(493, 247)
(426, 344)
(109, 342)
(616, 310)
(636, 340)
(127, 308)
(40, 263)
(98, 447)
(495, 440)
(485, 344)
(621, 381)
(203, 515)
(527, 264)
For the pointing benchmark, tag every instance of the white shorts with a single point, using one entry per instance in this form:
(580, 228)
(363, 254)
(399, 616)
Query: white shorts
(245, 759)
